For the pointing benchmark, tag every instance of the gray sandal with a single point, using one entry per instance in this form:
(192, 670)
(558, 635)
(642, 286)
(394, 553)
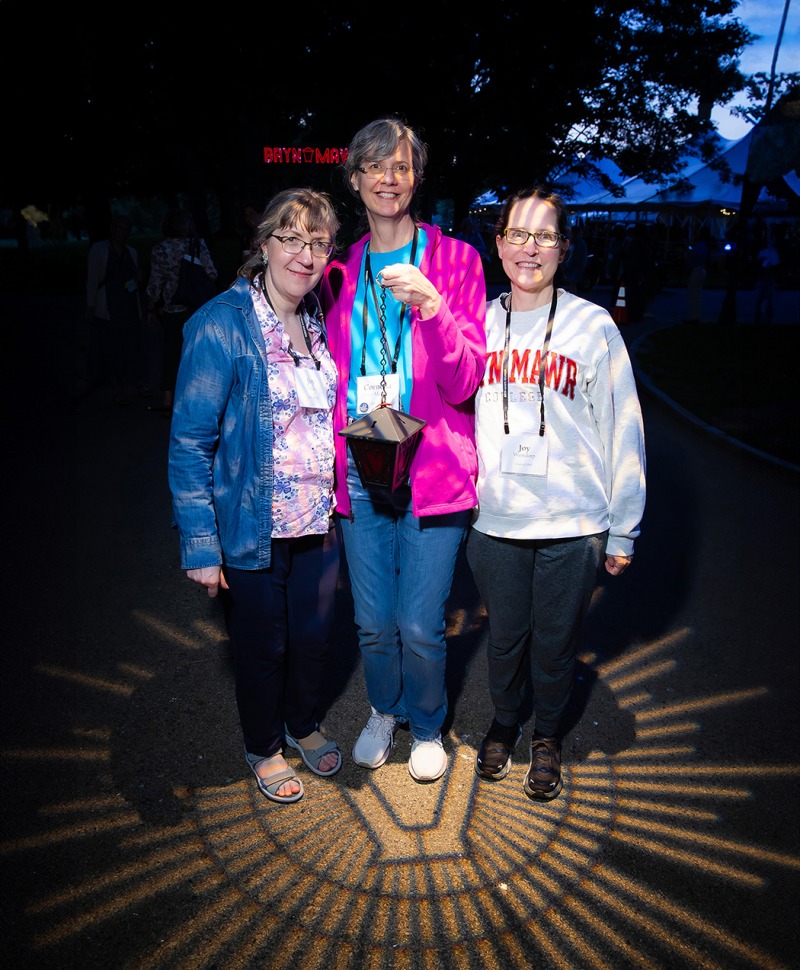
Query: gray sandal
(270, 785)
(312, 757)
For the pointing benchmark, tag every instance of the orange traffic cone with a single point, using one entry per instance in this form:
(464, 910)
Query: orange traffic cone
(619, 314)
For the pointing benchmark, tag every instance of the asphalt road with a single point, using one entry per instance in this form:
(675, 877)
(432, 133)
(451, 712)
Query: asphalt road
(133, 834)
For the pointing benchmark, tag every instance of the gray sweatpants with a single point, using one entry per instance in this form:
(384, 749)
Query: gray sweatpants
(536, 593)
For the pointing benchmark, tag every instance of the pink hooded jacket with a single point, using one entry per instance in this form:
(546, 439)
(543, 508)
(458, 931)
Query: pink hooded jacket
(448, 360)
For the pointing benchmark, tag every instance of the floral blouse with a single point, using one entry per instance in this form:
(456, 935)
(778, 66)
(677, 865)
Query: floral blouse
(302, 447)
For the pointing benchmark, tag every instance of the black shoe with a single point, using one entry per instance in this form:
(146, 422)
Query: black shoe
(494, 755)
(543, 780)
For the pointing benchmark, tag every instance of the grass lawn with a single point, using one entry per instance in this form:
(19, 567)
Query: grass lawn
(740, 379)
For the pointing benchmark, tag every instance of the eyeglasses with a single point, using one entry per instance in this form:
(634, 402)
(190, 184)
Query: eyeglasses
(542, 237)
(377, 170)
(293, 245)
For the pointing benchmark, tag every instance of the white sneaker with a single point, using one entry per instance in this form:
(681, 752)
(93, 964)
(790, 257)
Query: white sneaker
(428, 760)
(375, 741)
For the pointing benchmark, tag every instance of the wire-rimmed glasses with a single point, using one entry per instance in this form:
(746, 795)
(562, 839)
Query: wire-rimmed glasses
(543, 238)
(294, 245)
(377, 170)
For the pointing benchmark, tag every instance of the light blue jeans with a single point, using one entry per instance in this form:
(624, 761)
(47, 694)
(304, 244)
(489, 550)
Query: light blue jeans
(401, 572)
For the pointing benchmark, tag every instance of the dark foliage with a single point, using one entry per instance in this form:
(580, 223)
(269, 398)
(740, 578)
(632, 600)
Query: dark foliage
(505, 95)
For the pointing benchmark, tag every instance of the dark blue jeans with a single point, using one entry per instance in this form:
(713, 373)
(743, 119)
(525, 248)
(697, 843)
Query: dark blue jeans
(279, 621)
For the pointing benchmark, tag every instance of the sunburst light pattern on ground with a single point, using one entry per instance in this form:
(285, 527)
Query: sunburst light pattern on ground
(465, 874)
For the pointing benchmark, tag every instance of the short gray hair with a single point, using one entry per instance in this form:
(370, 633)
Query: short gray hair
(379, 139)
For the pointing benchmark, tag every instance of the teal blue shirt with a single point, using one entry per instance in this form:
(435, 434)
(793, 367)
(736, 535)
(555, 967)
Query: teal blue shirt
(372, 358)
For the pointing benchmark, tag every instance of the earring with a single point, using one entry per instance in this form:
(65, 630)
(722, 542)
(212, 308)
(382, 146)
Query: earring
(263, 257)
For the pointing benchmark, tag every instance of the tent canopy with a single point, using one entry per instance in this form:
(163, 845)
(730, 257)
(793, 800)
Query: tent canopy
(700, 186)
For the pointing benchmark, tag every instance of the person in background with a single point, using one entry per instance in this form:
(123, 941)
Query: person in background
(576, 261)
(697, 258)
(179, 232)
(561, 482)
(251, 217)
(768, 260)
(114, 313)
(251, 475)
(407, 303)
(639, 273)
(616, 245)
(468, 232)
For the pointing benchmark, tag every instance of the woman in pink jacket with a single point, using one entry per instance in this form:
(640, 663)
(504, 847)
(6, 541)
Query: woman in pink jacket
(405, 308)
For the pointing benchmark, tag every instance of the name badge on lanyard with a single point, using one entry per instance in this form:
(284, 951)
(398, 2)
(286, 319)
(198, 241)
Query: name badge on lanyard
(312, 391)
(369, 392)
(524, 454)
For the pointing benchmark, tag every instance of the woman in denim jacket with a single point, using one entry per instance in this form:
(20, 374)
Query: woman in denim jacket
(407, 301)
(251, 475)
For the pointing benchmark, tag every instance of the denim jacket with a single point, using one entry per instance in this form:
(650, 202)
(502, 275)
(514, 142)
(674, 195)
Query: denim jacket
(220, 451)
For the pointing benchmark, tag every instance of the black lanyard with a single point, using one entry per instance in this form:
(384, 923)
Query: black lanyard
(542, 360)
(369, 287)
(301, 312)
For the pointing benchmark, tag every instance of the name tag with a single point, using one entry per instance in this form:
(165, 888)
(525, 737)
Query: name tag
(369, 391)
(524, 455)
(312, 391)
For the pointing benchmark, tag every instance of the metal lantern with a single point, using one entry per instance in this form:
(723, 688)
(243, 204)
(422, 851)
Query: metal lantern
(383, 443)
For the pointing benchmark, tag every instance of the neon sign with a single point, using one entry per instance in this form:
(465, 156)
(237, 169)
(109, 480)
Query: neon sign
(305, 156)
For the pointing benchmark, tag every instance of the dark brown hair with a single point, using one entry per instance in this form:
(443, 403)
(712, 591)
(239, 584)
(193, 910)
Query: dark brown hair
(545, 195)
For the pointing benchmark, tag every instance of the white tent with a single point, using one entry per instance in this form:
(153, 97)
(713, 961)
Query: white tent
(701, 187)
